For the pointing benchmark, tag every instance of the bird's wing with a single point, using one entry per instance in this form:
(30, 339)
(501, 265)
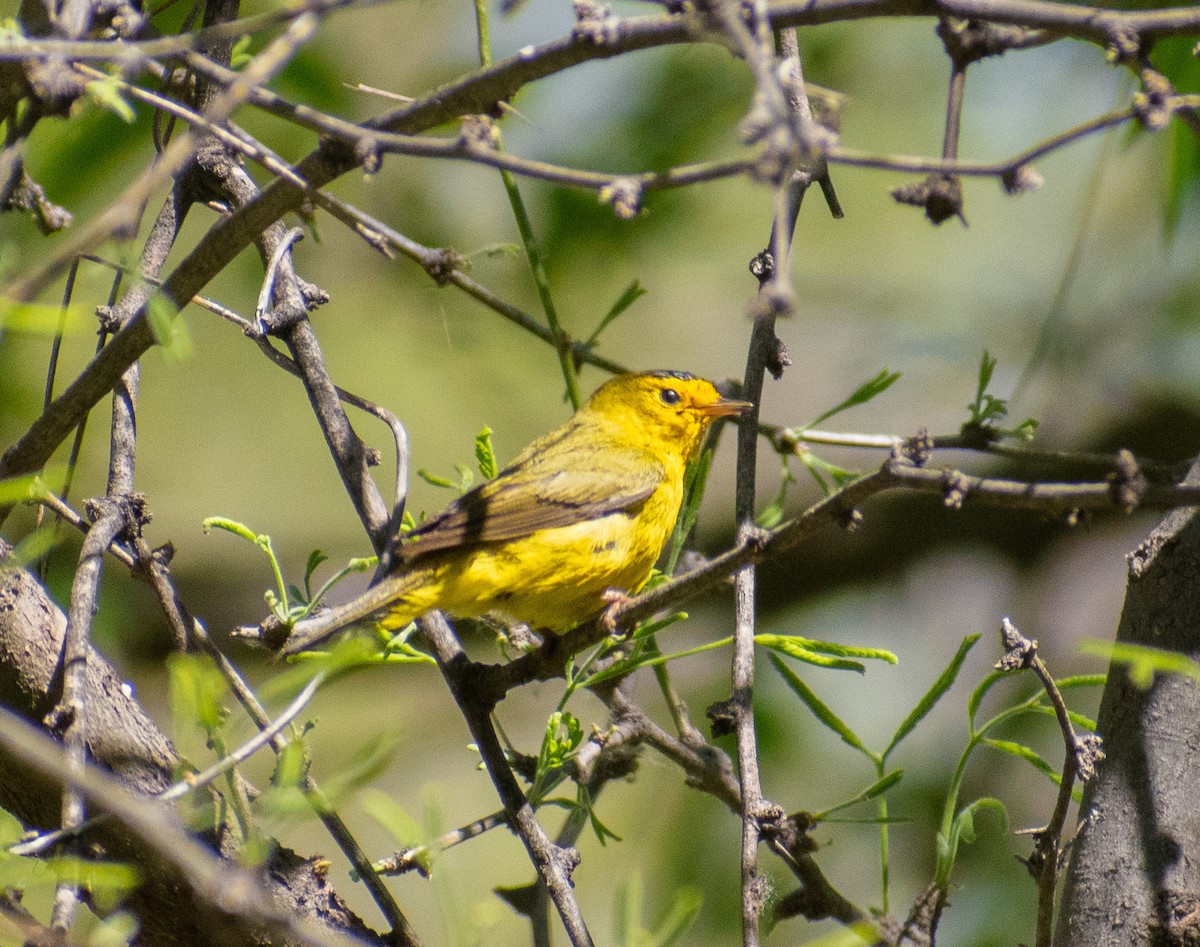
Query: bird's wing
(529, 496)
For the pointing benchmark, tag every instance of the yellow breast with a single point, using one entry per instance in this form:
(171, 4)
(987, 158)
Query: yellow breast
(552, 579)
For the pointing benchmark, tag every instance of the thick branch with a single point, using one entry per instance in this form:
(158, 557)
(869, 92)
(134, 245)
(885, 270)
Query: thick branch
(123, 740)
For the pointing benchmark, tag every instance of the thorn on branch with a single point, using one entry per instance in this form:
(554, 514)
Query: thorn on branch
(939, 194)
(595, 23)
(1019, 651)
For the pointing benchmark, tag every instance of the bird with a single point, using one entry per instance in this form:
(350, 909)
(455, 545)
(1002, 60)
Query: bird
(579, 515)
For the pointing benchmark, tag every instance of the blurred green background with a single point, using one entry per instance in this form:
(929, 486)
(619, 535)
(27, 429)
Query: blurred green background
(1078, 289)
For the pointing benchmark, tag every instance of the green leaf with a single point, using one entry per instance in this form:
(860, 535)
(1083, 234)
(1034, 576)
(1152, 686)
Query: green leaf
(772, 514)
(35, 546)
(11, 33)
(230, 526)
(116, 930)
(11, 831)
(864, 393)
(354, 566)
(169, 328)
(462, 484)
(240, 56)
(695, 479)
(107, 882)
(198, 690)
(290, 765)
(633, 292)
(980, 692)
(1029, 755)
(106, 93)
(934, 694)
(963, 829)
(365, 765)
(315, 558)
(1082, 680)
(1174, 58)
(493, 250)
(682, 915)
(1078, 720)
(811, 651)
(628, 905)
(485, 456)
(861, 934)
(1143, 661)
(24, 873)
(877, 788)
(584, 803)
(650, 658)
(820, 468)
(819, 708)
(37, 318)
(563, 736)
(402, 826)
(1025, 430)
(986, 409)
(966, 818)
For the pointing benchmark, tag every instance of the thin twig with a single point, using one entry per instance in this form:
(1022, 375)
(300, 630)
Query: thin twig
(70, 715)
(554, 865)
(1082, 754)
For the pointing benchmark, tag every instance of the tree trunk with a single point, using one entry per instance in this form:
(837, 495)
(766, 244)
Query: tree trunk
(1134, 876)
(126, 742)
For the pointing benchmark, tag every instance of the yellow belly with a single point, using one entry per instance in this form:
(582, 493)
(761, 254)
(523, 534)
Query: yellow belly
(552, 579)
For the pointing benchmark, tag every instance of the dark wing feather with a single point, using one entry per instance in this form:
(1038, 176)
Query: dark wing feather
(537, 493)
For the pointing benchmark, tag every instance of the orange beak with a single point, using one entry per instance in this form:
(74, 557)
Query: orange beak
(724, 408)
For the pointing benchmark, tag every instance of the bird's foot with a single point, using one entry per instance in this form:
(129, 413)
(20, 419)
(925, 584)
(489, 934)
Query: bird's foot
(614, 601)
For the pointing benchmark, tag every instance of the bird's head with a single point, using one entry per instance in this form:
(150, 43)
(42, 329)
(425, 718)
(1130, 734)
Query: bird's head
(664, 410)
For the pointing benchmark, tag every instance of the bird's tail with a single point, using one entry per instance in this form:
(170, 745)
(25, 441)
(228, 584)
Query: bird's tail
(378, 598)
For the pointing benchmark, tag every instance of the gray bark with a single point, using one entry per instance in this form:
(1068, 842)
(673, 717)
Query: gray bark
(125, 741)
(1134, 874)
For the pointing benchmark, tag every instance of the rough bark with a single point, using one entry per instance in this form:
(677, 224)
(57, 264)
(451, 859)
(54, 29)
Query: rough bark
(125, 741)
(1134, 877)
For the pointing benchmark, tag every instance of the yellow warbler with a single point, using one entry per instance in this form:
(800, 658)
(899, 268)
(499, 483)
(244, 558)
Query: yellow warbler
(582, 510)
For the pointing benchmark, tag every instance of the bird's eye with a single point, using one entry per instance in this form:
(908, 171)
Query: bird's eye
(669, 396)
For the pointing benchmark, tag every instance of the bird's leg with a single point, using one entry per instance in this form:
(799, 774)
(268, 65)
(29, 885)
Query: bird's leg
(615, 600)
